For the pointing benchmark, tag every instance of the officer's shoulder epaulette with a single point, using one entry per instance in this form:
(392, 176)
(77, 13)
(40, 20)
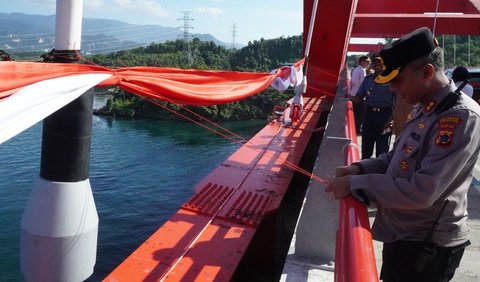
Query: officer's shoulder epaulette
(449, 101)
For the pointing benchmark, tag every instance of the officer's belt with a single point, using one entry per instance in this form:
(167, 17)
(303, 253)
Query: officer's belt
(379, 109)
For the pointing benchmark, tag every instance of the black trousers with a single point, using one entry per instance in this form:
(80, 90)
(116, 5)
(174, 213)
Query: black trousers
(373, 125)
(358, 113)
(399, 260)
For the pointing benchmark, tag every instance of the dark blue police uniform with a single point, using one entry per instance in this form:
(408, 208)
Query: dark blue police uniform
(379, 100)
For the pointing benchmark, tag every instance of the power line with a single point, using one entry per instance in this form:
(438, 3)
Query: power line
(186, 26)
(234, 31)
(90, 42)
(187, 50)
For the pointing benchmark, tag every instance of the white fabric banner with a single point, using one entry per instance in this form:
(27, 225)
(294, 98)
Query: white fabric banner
(37, 101)
(294, 79)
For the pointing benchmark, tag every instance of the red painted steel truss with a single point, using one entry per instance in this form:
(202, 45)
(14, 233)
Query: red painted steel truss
(338, 21)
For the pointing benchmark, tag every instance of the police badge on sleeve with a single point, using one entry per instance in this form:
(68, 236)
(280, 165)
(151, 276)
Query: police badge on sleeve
(447, 126)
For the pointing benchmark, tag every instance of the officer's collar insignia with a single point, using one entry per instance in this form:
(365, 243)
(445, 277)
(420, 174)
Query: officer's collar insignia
(410, 116)
(404, 165)
(408, 148)
(429, 106)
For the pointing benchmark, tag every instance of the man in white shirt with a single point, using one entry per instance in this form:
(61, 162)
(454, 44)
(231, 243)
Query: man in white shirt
(358, 74)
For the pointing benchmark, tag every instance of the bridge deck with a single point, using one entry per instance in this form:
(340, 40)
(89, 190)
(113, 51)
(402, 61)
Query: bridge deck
(207, 238)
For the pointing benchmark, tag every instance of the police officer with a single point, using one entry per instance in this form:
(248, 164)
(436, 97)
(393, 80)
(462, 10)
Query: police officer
(420, 186)
(379, 105)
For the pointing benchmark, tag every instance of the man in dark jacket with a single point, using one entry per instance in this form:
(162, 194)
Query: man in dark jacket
(378, 111)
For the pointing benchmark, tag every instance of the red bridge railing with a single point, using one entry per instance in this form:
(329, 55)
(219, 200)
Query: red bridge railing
(355, 256)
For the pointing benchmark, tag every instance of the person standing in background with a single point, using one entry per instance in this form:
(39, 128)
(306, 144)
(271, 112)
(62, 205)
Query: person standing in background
(358, 74)
(378, 111)
(459, 75)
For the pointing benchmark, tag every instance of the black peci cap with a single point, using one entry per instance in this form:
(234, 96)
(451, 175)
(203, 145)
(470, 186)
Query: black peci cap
(405, 50)
(460, 74)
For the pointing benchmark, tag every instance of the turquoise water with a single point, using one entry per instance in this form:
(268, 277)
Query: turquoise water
(141, 172)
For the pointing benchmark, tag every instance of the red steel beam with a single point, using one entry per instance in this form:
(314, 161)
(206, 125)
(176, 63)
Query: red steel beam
(396, 25)
(418, 6)
(328, 45)
(359, 47)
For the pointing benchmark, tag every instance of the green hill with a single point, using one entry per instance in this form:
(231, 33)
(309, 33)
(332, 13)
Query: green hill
(258, 56)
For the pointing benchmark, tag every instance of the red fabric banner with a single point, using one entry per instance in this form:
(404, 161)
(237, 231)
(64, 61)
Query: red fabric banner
(191, 87)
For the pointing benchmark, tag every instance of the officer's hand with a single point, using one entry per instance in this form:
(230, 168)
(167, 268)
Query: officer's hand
(347, 170)
(339, 187)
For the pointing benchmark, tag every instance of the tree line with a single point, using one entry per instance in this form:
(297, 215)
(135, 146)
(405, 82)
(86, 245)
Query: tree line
(258, 56)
